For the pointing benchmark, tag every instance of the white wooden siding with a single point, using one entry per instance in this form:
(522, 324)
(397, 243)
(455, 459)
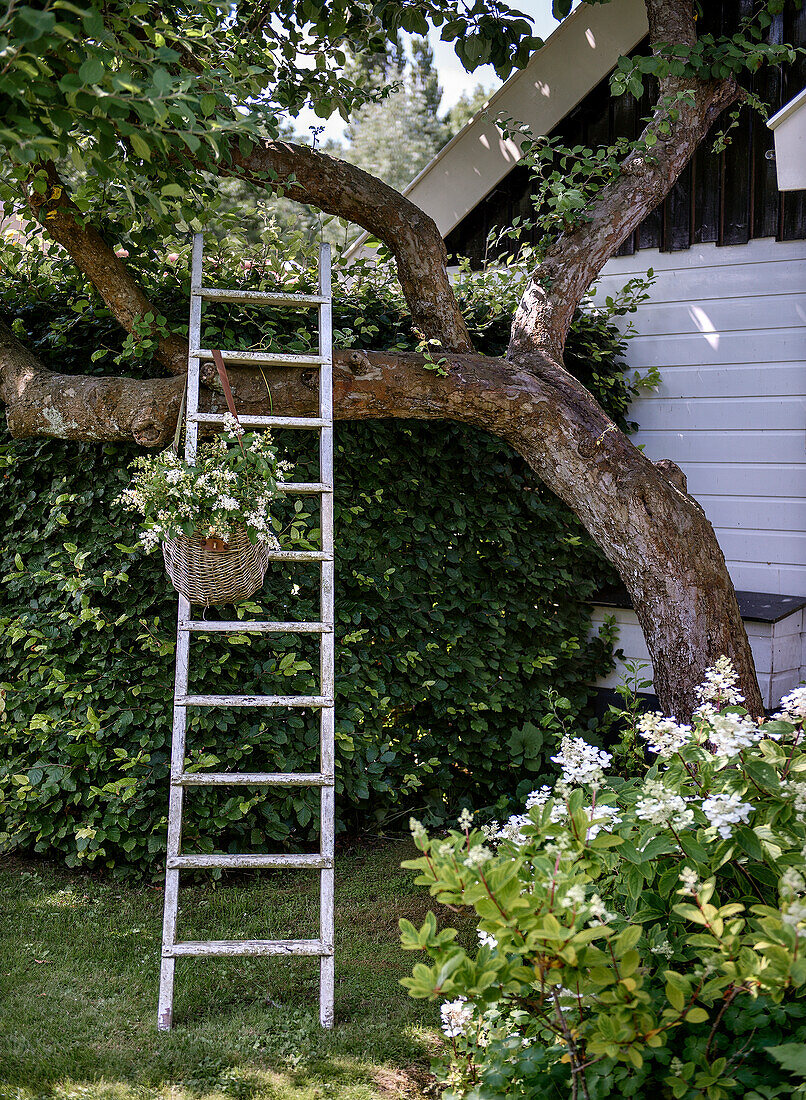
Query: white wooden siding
(727, 329)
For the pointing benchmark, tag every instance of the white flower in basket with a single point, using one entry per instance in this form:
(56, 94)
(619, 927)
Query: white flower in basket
(212, 517)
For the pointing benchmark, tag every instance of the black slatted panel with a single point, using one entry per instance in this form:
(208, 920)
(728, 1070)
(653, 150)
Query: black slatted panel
(727, 198)
(624, 123)
(794, 78)
(707, 175)
(736, 168)
(650, 232)
(678, 213)
(766, 199)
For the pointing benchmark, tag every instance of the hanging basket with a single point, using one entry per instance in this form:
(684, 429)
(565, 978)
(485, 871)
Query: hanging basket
(210, 571)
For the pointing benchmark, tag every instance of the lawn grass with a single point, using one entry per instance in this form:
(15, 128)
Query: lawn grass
(79, 967)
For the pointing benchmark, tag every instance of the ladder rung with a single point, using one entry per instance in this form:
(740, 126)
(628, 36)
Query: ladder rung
(254, 626)
(303, 487)
(234, 862)
(258, 297)
(262, 421)
(253, 701)
(247, 947)
(257, 779)
(298, 555)
(262, 358)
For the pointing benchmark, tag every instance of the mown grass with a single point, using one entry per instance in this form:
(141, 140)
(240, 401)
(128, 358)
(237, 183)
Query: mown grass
(79, 966)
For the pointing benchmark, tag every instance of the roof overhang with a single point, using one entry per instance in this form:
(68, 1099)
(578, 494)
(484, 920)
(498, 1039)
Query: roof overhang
(579, 54)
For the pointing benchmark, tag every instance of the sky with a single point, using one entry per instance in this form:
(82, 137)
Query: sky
(453, 78)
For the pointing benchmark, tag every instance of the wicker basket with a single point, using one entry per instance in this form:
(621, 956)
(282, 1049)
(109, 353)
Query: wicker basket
(230, 573)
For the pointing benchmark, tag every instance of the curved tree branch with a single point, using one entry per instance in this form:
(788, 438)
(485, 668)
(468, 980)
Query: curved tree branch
(121, 292)
(570, 266)
(626, 503)
(339, 188)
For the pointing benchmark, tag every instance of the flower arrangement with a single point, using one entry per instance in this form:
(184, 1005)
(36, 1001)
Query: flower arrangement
(231, 485)
(634, 935)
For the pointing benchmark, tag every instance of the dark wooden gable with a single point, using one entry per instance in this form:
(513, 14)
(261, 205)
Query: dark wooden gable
(729, 198)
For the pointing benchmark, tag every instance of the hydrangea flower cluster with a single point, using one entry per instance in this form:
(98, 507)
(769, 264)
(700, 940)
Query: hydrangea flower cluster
(664, 736)
(719, 686)
(228, 487)
(793, 707)
(730, 733)
(582, 764)
(662, 806)
(456, 1016)
(725, 810)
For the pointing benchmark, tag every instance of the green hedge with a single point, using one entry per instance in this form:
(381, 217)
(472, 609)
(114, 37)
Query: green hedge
(461, 607)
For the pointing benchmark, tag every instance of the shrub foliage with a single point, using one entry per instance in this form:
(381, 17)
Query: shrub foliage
(462, 616)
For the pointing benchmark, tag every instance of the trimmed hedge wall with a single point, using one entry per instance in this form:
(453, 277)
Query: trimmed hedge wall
(462, 632)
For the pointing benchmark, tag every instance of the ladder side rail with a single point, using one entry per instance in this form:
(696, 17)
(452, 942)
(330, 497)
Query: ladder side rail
(326, 650)
(177, 791)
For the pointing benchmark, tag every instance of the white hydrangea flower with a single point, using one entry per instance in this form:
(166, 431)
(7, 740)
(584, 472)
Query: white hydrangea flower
(511, 830)
(538, 798)
(792, 882)
(478, 856)
(730, 733)
(796, 789)
(456, 1016)
(793, 706)
(719, 685)
(665, 949)
(726, 810)
(598, 910)
(581, 763)
(610, 815)
(664, 736)
(690, 880)
(574, 896)
(794, 915)
(662, 806)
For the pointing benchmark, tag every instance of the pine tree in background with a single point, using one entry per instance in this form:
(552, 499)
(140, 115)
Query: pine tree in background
(466, 106)
(397, 137)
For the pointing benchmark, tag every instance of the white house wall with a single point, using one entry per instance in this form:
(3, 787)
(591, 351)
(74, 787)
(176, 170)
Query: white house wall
(726, 327)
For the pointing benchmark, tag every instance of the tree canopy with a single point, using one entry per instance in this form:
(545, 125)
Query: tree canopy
(137, 102)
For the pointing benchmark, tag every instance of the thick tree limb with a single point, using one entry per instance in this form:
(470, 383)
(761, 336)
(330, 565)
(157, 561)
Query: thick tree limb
(631, 509)
(121, 292)
(66, 406)
(339, 188)
(573, 262)
(333, 186)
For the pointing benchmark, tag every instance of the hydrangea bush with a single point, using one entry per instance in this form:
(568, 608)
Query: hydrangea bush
(632, 933)
(231, 485)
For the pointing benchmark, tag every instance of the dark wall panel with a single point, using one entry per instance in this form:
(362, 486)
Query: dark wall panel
(728, 198)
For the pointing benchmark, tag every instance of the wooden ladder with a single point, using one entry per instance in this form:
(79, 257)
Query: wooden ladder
(322, 862)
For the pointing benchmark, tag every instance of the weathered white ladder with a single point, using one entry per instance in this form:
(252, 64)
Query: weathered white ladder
(180, 778)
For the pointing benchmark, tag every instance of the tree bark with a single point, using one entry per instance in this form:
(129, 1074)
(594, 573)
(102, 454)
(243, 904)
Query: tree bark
(654, 533)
